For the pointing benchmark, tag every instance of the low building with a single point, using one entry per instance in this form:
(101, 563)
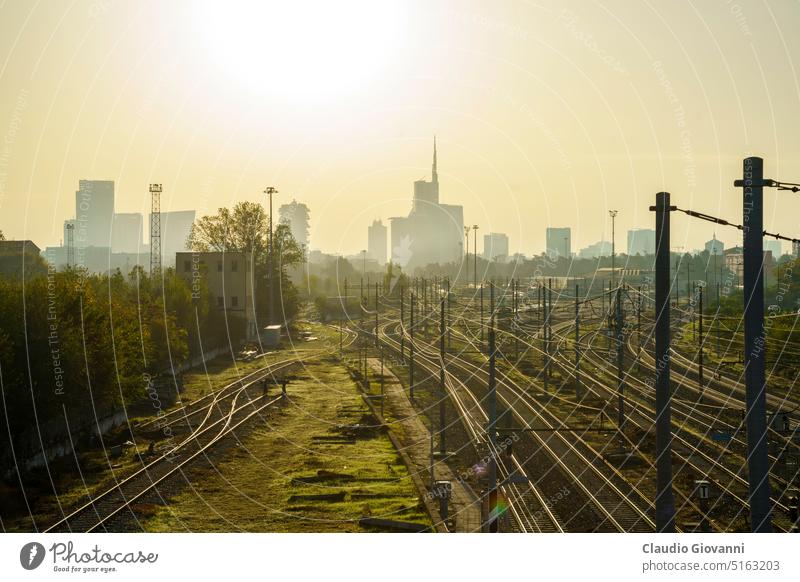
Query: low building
(229, 278)
(734, 262)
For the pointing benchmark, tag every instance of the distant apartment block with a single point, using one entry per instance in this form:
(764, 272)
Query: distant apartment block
(599, 249)
(377, 241)
(94, 213)
(559, 242)
(175, 229)
(126, 233)
(495, 246)
(296, 215)
(641, 241)
(774, 246)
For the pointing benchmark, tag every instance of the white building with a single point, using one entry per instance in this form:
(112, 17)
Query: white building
(377, 242)
(296, 215)
(495, 246)
(559, 242)
(641, 241)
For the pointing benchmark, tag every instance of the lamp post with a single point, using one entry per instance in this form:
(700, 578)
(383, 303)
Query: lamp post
(363, 263)
(466, 251)
(613, 215)
(270, 191)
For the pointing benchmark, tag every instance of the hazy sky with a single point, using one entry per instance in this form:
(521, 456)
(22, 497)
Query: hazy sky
(546, 113)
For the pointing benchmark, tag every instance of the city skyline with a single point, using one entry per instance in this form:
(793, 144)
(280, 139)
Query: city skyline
(535, 147)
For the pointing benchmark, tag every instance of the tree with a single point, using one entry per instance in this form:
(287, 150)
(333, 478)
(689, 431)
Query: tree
(244, 229)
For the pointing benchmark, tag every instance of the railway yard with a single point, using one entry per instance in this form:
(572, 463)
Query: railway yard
(386, 423)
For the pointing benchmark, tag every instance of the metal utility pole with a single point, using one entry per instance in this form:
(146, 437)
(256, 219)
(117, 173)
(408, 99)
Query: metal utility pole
(442, 389)
(402, 324)
(640, 300)
(491, 403)
(613, 215)
(546, 316)
(155, 230)
(577, 347)
(411, 351)
(449, 309)
(700, 341)
(481, 325)
(539, 304)
(665, 499)
(716, 320)
(376, 315)
(270, 191)
(466, 254)
(620, 368)
(516, 320)
(754, 335)
(475, 252)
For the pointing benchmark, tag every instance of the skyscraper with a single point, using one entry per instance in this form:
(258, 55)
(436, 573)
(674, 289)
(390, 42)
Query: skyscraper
(126, 233)
(296, 215)
(559, 242)
(94, 213)
(377, 241)
(641, 241)
(432, 232)
(774, 246)
(495, 246)
(175, 229)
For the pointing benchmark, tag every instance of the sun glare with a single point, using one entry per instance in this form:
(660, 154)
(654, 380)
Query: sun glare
(301, 50)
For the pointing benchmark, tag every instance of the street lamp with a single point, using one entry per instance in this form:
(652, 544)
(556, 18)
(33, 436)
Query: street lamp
(270, 191)
(466, 251)
(613, 215)
(364, 263)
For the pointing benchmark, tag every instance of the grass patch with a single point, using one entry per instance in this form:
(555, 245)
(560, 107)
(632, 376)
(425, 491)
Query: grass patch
(285, 478)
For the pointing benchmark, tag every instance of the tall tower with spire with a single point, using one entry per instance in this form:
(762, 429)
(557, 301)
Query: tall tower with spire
(426, 194)
(434, 173)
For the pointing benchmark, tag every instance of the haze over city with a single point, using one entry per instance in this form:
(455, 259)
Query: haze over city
(546, 114)
(399, 266)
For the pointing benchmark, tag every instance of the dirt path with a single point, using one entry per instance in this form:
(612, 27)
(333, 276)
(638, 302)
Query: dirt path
(414, 440)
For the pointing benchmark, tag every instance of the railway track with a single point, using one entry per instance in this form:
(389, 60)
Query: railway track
(220, 414)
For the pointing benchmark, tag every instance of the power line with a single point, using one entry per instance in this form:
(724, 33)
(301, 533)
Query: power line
(722, 221)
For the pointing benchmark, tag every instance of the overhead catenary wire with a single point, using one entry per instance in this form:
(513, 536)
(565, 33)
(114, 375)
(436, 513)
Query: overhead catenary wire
(722, 221)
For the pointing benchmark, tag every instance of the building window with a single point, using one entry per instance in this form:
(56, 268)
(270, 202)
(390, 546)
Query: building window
(220, 302)
(219, 265)
(234, 265)
(234, 301)
(187, 266)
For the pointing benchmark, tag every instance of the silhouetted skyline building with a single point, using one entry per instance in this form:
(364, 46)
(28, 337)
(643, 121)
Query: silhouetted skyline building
(377, 241)
(296, 215)
(175, 229)
(641, 241)
(432, 232)
(94, 213)
(495, 246)
(126, 232)
(559, 242)
(599, 249)
(714, 246)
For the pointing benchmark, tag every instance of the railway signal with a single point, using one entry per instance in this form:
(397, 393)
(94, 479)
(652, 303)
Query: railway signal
(703, 487)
